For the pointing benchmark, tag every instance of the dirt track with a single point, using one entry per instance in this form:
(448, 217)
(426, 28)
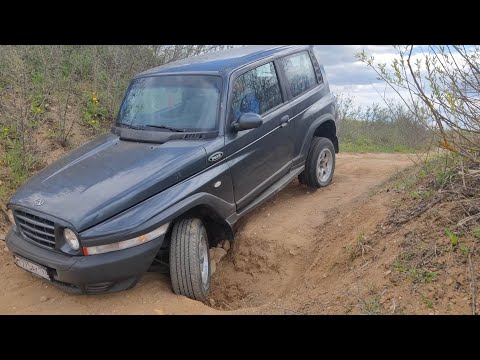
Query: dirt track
(274, 266)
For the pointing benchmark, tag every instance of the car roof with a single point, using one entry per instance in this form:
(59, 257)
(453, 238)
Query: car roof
(223, 62)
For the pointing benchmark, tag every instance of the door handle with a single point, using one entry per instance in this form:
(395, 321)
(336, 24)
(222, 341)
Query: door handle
(284, 121)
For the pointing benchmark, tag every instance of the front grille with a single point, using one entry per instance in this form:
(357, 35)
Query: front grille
(36, 228)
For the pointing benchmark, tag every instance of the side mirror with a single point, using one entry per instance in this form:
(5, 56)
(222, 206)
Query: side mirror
(247, 121)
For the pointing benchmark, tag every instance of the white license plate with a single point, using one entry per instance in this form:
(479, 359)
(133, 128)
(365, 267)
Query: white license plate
(35, 269)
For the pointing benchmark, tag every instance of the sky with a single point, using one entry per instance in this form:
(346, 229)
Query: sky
(348, 76)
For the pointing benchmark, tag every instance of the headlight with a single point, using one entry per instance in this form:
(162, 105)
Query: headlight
(71, 238)
(125, 244)
(10, 216)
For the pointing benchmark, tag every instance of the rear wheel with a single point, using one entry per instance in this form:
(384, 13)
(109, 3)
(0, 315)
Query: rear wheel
(189, 259)
(320, 163)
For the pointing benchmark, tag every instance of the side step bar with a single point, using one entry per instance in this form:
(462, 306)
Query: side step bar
(267, 194)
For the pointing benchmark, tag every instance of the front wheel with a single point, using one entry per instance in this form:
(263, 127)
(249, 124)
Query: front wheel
(189, 259)
(320, 163)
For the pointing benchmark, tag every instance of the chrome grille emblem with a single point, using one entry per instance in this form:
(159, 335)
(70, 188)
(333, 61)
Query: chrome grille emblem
(39, 202)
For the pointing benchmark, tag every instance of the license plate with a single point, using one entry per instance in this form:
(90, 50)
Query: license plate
(35, 269)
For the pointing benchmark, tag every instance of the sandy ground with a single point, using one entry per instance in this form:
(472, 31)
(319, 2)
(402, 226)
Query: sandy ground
(288, 256)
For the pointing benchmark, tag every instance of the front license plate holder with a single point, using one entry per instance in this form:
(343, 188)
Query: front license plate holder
(34, 268)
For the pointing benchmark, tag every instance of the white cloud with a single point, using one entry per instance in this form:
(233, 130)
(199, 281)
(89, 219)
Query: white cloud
(351, 77)
(369, 94)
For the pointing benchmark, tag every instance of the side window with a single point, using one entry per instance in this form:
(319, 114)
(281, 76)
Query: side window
(299, 72)
(256, 91)
(316, 66)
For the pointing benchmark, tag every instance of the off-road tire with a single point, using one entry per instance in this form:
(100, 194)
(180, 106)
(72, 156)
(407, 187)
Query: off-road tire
(310, 176)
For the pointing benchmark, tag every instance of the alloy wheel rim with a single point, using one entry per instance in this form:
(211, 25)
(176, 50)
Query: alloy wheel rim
(324, 165)
(203, 254)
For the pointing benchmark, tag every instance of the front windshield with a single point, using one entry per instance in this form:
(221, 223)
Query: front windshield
(172, 103)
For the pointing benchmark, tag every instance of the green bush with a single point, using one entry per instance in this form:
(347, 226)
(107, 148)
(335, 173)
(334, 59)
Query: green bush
(378, 129)
(19, 161)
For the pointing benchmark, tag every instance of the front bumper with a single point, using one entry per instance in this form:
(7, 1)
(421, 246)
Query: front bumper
(109, 272)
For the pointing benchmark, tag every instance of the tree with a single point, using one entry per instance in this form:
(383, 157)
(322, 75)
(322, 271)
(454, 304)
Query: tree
(441, 88)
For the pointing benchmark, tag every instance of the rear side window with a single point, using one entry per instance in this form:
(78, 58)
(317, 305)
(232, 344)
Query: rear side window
(316, 66)
(256, 91)
(299, 72)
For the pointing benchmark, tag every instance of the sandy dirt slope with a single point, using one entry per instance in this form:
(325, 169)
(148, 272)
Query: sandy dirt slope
(287, 255)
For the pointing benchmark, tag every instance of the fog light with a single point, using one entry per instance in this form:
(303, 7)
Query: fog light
(10, 216)
(71, 238)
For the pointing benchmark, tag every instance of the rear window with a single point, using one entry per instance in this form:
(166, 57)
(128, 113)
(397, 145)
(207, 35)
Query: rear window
(299, 72)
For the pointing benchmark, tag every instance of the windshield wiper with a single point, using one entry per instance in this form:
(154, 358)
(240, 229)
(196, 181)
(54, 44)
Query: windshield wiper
(166, 127)
(142, 127)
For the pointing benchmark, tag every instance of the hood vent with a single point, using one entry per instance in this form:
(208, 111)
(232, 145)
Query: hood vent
(193, 136)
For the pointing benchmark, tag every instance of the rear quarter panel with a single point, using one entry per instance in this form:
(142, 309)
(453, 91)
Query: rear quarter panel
(310, 111)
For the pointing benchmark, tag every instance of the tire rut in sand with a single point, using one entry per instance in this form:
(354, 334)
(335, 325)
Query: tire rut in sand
(275, 244)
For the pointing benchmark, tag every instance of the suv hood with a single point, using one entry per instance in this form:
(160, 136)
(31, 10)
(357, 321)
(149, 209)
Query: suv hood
(108, 175)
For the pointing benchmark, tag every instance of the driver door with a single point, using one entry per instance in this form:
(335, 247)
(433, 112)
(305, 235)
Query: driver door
(261, 156)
